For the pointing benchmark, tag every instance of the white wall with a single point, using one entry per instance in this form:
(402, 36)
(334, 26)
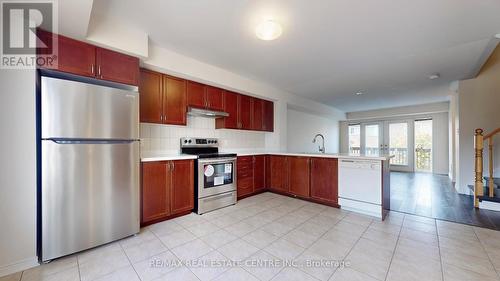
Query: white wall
(302, 127)
(176, 64)
(479, 107)
(437, 111)
(17, 171)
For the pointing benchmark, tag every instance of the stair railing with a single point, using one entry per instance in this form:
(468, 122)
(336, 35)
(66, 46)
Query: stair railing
(479, 139)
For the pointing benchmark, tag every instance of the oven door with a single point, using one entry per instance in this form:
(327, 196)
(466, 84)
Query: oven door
(216, 176)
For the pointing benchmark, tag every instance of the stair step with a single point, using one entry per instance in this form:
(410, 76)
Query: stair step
(485, 197)
(495, 180)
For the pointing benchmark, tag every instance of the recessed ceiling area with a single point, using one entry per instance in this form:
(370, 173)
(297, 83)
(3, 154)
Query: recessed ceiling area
(328, 49)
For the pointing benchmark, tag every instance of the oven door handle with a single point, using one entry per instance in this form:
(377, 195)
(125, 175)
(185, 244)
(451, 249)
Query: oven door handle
(217, 160)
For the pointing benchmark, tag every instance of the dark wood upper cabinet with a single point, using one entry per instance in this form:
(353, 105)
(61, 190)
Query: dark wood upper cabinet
(324, 179)
(245, 112)
(196, 94)
(299, 173)
(268, 116)
(117, 67)
(73, 56)
(278, 173)
(258, 115)
(182, 188)
(214, 98)
(84, 59)
(150, 89)
(259, 172)
(174, 100)
(231, 107)
(155, 193)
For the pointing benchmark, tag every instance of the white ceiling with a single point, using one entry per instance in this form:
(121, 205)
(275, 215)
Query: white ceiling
(329, 49)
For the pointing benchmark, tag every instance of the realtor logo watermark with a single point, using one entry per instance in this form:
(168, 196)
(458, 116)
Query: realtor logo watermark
(22, 47)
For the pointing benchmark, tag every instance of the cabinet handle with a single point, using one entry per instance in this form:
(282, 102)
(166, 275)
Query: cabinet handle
(99, 72)
(167, 167)
(173, 165)
(92, 69)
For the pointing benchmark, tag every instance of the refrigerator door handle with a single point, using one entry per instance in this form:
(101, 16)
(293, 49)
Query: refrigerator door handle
(88, 141)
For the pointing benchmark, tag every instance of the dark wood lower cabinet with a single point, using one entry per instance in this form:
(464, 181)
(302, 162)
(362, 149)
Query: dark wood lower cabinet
(245, 176)
(182, 189)
(278, 169)
(167, 189)
(155, 191)
(299, 173)
(324, 179)
(259, 173)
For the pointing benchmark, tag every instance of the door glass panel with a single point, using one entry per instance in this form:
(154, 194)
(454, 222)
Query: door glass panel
(398, 143)
(354, 139)
(372, 139)
(217, 174)
(423, 145)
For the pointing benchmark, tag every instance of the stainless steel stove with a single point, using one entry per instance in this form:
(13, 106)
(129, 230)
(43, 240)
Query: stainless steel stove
(215, 181)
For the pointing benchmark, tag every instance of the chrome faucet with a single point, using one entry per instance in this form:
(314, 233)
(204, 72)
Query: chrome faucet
(321, 147)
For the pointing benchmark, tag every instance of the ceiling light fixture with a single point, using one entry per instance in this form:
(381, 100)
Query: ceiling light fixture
(497, 35)
(359, 93)
(268, 30)
(434, 76)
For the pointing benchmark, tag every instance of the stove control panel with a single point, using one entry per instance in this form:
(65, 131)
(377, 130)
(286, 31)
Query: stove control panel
(199, 142)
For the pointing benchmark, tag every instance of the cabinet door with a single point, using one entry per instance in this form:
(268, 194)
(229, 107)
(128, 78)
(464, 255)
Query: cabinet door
(150, 89)
(258, 114)
(268, 116)
(155, 191)
(174, 100)
(244, 166)
(299, 168)
(117, 67)
(182, 186)
(231, 107)
(279, 173)
(196, 94)
(215, 98)
(245, 112)
(259, 172)
(73, 56)
(324, 179)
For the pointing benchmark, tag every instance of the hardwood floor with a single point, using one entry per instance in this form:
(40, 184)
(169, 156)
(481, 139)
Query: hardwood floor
(434, 196)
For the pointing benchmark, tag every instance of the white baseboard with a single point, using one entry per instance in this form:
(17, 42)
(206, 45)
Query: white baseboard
(18, 266)
(488, 205)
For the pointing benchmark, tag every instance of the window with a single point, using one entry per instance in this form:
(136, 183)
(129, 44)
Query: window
(354, 139)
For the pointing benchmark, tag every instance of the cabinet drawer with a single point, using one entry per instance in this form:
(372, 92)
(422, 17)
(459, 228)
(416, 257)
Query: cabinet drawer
(245, 182)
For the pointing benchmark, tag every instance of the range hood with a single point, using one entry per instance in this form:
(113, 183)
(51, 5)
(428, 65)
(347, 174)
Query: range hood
(193, 111)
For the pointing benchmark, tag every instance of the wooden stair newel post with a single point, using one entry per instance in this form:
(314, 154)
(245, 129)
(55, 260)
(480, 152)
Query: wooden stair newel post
(490, 167)
(478, 168)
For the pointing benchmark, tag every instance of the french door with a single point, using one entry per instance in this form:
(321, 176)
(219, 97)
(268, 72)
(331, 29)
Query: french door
(386, 137)
(399, 141)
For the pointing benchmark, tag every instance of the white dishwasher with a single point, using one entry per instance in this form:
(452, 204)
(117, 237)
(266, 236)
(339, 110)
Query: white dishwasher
(360, 186)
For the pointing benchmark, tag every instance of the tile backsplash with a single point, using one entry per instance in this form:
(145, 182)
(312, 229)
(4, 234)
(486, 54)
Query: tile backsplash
(166, 138)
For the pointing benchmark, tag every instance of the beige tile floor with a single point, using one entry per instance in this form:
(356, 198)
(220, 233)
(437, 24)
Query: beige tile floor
(272, 237)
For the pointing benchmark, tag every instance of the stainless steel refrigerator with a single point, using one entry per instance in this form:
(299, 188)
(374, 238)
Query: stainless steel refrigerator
(89, 164)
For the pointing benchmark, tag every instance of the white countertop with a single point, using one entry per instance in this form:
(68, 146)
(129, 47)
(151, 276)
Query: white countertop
(322, 155)
(338, 155)
(166, 156)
